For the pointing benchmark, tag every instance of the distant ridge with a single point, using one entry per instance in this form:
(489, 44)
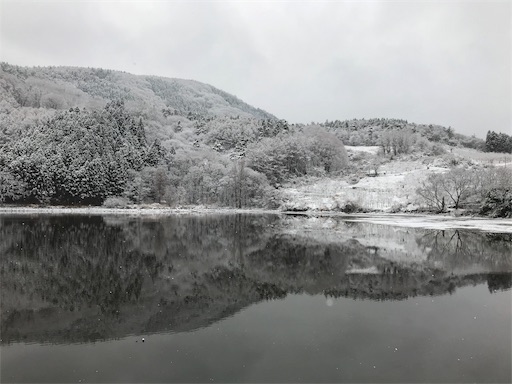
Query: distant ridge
(69, 87)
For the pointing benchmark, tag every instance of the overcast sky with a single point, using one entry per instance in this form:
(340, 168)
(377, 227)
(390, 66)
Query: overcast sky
(443, 62)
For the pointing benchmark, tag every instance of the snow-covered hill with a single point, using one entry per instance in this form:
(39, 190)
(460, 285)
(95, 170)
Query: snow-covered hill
(392, 189)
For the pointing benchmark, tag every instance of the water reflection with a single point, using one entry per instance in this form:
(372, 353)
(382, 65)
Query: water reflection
(80, 279)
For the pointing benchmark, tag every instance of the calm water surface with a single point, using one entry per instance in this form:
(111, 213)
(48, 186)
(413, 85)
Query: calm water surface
(251, 298)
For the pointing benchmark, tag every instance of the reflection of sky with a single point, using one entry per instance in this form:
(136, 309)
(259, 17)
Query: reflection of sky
(460, 337)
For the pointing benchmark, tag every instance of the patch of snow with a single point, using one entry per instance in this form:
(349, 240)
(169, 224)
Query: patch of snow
(366, 149)
(394, 187)
(438, 222)
(368, 271)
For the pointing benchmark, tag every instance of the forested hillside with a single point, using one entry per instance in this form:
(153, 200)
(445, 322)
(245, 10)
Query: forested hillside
(375, 131)
(84, 136)
(80, 136)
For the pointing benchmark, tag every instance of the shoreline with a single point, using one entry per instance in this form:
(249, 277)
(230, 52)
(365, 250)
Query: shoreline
(135, 211)
(408, 220)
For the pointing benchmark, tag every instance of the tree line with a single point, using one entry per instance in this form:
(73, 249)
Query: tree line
(487, 189)
(374, 132)
(76, 157)
(498, 142)
(82, 157)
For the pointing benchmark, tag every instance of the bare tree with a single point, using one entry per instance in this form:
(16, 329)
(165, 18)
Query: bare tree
(385, 141)
(396, 141)
(239, 176)
(433, 192)
(374, 165)
(499, 178)
(404, 140)
(459, 184)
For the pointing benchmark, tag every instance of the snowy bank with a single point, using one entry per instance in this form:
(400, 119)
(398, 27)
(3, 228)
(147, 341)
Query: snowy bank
(436, 222)
(373, 149)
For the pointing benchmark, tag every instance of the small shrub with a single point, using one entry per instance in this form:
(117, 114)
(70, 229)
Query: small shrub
(497, 203)
(351, 207)
(396, 208)
(354, 179)
(451, 160)
(437, 149)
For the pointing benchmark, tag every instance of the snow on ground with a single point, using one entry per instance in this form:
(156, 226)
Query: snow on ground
(366, 149)
(393, 189)
(366, 271)
(439, 222)
(395, 186)
(436, 222)
(492, 158)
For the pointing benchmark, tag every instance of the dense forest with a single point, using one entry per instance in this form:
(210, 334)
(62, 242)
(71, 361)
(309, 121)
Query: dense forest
(81, 136)
(84, 136)
(498, 142)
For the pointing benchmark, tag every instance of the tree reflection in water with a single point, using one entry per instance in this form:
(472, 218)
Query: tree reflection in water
(78, 279)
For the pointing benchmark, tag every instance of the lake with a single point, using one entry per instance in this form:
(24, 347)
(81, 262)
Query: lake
(251, 298)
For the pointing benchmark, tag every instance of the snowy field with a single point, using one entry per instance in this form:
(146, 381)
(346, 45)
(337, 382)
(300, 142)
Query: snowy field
(392, 190)
(395, 186)
(490, 158)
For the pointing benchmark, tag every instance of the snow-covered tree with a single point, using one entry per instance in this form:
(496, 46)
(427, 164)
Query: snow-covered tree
(77, 156)
(498, 142)
(11, 188)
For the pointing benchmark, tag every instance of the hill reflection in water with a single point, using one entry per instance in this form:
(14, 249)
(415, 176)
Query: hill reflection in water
(72, 279)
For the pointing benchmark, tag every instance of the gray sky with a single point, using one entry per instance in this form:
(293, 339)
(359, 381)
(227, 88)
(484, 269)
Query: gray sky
(445, 63)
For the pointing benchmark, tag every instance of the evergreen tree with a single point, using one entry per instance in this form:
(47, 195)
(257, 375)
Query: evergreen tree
(80, 157)
(154, 154)
(498, 142)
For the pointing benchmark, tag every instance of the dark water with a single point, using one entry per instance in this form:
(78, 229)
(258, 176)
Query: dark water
(250, 298)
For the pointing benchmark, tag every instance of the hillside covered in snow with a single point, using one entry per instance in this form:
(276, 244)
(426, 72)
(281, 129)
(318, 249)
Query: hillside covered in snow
(84, 136)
